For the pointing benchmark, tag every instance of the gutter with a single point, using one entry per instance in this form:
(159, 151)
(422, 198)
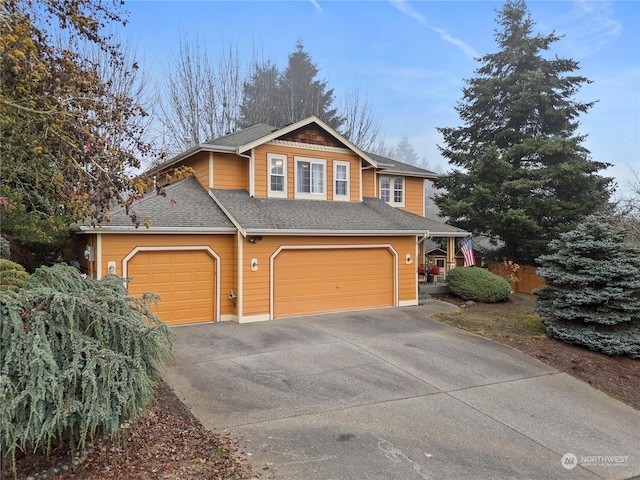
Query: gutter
(173, 230)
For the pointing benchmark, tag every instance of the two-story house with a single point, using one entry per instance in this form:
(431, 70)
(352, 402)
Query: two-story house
(273, 223)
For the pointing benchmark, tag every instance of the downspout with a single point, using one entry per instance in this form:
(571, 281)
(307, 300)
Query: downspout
(251, 173)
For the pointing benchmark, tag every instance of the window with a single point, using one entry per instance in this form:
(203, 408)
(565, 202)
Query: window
(310, 178)
(392, 190)
(277, 175)
(385, 189)
(398, 190)
(341, 180)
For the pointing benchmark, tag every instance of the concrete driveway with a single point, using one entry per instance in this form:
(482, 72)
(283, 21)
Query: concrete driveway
(393, 394)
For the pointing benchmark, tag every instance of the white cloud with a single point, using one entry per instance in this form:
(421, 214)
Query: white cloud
(317, 5)
(404, 7)
(588, 27)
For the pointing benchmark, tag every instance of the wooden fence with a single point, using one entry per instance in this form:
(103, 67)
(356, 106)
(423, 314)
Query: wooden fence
(527, 278)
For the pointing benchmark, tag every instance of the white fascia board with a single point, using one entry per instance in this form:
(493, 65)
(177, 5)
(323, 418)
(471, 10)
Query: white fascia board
(239, 227)
(450, 234)
(303, 123)
(171, 230)
(337, 233)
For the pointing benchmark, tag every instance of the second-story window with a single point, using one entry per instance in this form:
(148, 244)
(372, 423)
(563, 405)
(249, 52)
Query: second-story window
(341, 180)
(392, 190)
(385, 189)
(398, 190)
(310, 178)
(277, 175)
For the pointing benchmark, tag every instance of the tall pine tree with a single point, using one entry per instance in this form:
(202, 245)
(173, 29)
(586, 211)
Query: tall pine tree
(523, 175)
(281, 98)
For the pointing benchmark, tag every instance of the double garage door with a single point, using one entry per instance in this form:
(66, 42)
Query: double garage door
(184, 280)
(308, 281)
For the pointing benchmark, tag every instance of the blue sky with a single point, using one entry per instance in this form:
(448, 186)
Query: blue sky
(411, 57)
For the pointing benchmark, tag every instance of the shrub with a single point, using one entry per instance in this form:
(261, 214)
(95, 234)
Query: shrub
(78, 359)
(13, 277)
(592, 281)
(5, 248)
(478, 284)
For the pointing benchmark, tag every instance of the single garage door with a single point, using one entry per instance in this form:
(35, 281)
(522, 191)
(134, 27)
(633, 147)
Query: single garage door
(328, 280)
(185, 281)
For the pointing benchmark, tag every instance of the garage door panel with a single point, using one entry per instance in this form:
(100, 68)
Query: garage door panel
(324, 280)
(184, 280)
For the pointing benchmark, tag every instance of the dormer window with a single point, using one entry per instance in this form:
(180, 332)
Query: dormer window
(392, 190)
(277, 175)
(310, 178)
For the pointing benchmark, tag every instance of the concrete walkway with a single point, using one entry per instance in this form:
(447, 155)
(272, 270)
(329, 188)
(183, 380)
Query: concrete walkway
(393, 394)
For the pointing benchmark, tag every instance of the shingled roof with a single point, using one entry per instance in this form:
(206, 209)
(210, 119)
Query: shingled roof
(186, 207)
(389, 165)
(296, 216)
(243, 137)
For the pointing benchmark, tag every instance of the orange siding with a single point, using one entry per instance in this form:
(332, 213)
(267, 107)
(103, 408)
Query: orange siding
(368, 183)
(256, 285)
(414, 195)
(230, 172)
(115, 247)
(261, 170)
(200, 165)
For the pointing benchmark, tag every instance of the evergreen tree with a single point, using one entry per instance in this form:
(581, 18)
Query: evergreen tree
(302, 95)
(592, 288)
(78, 359)
(405, 152)
(260, 93)
(280, 98)
(523, 174)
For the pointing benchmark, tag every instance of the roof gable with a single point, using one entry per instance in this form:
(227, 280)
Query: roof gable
(314, 135)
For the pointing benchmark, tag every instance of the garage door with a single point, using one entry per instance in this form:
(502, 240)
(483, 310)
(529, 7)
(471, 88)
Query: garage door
(328, 280)
(185, 281)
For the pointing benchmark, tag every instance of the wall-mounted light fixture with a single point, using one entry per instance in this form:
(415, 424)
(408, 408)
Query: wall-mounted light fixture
(255, 239)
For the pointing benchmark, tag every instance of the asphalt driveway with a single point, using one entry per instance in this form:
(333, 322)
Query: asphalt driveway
(393, 394)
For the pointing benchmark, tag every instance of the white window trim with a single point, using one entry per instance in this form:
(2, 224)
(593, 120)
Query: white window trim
(275, 193)
(310, 196)
(392, 180)
(337, 197)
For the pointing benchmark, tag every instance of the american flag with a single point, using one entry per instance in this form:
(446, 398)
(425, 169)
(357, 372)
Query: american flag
(467, 252)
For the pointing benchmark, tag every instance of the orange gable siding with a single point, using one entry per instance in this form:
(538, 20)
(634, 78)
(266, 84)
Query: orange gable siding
(230, 172)
(200, 165)
(198, 162)
(261, 169)
(256, 284)
(369, 183)
(115, 247)
(414, 195)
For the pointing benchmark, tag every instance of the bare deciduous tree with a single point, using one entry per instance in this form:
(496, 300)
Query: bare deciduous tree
(202, 98)
(360, 124)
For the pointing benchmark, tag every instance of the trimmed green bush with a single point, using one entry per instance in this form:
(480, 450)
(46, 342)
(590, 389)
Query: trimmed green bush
(478, 284)
(78, 360)
(13, 276)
